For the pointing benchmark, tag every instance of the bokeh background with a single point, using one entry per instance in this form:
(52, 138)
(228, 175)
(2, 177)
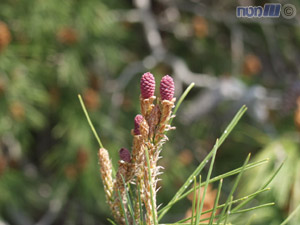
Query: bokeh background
(52, 50)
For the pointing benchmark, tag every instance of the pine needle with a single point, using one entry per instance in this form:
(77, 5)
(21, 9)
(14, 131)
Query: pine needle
(291, 215)
(216, 203)
(225, 175)
(112, 222)
(182, 97)
(89, 121)
(262, 188)
(194, 200)
(232, 202)
(129, 204)
(229, 128)
(233, 189)
(198, 204)
(208, 176)
(123, 208)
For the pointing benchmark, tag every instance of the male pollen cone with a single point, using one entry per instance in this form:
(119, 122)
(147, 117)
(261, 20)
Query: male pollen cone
(147, 85)
(137, 122)
(125, 154)
(167, 88)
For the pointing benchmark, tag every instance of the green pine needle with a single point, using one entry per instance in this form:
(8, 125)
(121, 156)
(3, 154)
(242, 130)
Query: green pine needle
(253, 208)
(233, 189)
(112, 222)
(229, 128)
(216, 203)
(198, 204)
(262, 188)
(182, 97)
(129, 204)
(123, 208)
(89, 121)
(194, 200)
(233, 202)
(208, 176)
(228, 211)
(140, 203)
(241, 211)
(225, 175)
(291, 215)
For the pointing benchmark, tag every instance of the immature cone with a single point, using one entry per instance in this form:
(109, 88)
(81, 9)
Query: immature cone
(147, 85)
(137, 122)
(125, 155)
(167, 88)
(140, 126)
(124, 164)
(147, 93)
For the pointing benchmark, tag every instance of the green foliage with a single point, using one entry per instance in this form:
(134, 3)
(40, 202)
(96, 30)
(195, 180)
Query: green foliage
(60, 49)
(197, 204)
(284, 186)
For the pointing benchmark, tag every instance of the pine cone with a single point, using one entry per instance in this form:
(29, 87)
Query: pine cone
(167, 88)
(137, 121)
(125, 155)
(147, 85)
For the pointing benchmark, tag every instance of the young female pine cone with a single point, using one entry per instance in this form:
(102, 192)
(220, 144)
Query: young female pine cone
(147, 85)
(125, 155)
(167, 88)
(137, 122)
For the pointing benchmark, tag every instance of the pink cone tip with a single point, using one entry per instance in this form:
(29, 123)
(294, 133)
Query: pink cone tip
(137, 122)
(125, 154)
(147, 85)
(167, 88)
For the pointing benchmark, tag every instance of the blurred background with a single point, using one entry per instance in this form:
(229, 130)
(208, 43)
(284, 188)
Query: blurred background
(52, 50)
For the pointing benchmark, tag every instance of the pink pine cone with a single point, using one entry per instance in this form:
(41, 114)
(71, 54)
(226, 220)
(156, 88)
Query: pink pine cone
(137, 121)
(125, 154)
(147, 85)
(167, 88)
